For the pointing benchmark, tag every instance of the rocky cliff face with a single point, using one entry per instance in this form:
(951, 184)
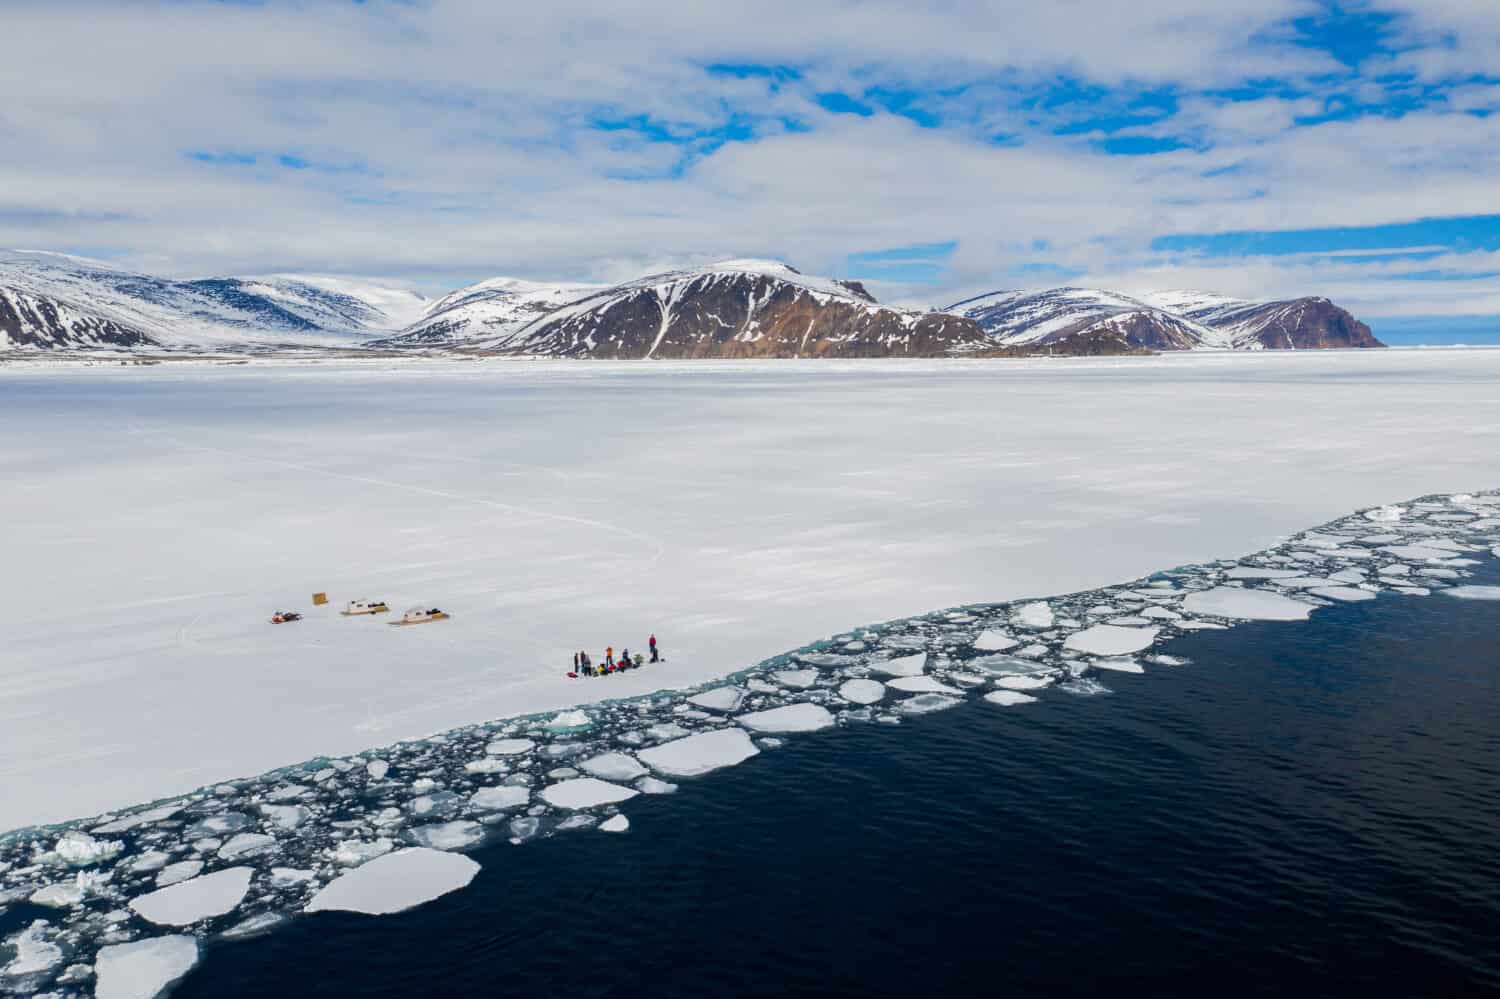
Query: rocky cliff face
(38, 322)
(740, 309)
(1061, 315)
(1312, 323)
(54, 301)
(1165, 320)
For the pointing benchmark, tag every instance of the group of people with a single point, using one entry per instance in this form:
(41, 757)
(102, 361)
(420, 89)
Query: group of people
(583, 665)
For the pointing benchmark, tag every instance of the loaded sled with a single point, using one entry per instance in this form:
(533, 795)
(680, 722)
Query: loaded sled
(283, 617)
(357, 607)
(420, 615)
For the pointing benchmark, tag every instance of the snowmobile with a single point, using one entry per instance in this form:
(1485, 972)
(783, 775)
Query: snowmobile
(420, 615)
(357, 607)
(282, 617)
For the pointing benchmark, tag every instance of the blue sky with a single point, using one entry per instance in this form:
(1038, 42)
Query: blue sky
(1264, 149)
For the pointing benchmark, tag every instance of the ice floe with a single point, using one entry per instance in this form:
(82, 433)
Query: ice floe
(699, 754)
(1246, 604)
(719, 699)
(144, 968)
(615, 824)
(923, 704)
(510, 747)
(1009, 698)
(196, 899)
(171, 874)
(35, 951)
(1474, 592)
(499, 799)
(1344, 594)
(246, 844)
(1118, 665)
(1022, 682)
(902, 666)
(994, 641)
(921, 685)
(862, 691)
(803, 717)
(457, 835)
(1036, 616)
(1111, 640)
(586, 792)
(1256, 572)
(613, 766)
(79, 849)
(396, 882)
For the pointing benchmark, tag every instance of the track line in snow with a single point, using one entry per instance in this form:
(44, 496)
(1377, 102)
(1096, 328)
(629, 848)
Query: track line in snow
(651, 540)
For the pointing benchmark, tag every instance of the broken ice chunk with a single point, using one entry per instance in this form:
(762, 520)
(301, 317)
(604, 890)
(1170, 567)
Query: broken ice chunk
(586, 792)
(1110, 640)
(396, 882)
(790, 718)
(196, 899)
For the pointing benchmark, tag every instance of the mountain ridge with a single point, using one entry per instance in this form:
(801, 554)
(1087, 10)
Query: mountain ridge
(744, 307)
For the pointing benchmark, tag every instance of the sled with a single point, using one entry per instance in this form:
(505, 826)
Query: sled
(418, 615)
(357, 607)
(284, 617)
(572, 676)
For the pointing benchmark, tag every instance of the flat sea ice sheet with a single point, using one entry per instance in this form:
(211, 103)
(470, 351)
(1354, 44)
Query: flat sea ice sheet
(586, 792)
(861, 691)
(1473, 592)
(902, 666)
(1008, 698)
(789, 718)
(507, 533)
(1254, 605)
(197, 898)
(701, 753)
(396, 882)
(142, 969)
(994, 641)
(1111, 640)
(613, 766)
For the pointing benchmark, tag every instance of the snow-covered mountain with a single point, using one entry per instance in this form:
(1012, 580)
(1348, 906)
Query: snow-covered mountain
(735, 308)
(1166, 320)
(1309, 323)
(738, 308)
(51, 300)
(486, 313)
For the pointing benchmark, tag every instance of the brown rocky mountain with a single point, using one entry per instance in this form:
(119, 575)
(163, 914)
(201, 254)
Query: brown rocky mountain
(744, 308)
(1165, 320)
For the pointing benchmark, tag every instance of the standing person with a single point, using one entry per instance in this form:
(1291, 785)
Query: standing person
(624, 658)
(575, 662)
(588, 664)
(654, 657)
(609, 655)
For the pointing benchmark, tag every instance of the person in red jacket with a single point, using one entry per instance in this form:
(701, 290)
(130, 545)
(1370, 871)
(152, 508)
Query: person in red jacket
(654, 657)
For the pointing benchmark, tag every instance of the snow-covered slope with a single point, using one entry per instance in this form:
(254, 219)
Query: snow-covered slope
(57, 301)
(1307, 323)
(486, 313)
(1166, 320)
(739, 308)
(1057, 314)
(30, 320)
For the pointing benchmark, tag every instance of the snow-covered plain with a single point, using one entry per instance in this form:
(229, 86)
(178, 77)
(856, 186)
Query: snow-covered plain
(154, 518)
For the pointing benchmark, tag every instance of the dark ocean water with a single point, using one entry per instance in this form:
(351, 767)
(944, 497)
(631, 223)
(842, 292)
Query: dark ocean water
(1308, 809)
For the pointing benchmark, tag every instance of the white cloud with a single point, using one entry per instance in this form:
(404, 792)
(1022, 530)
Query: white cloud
(460, 136)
